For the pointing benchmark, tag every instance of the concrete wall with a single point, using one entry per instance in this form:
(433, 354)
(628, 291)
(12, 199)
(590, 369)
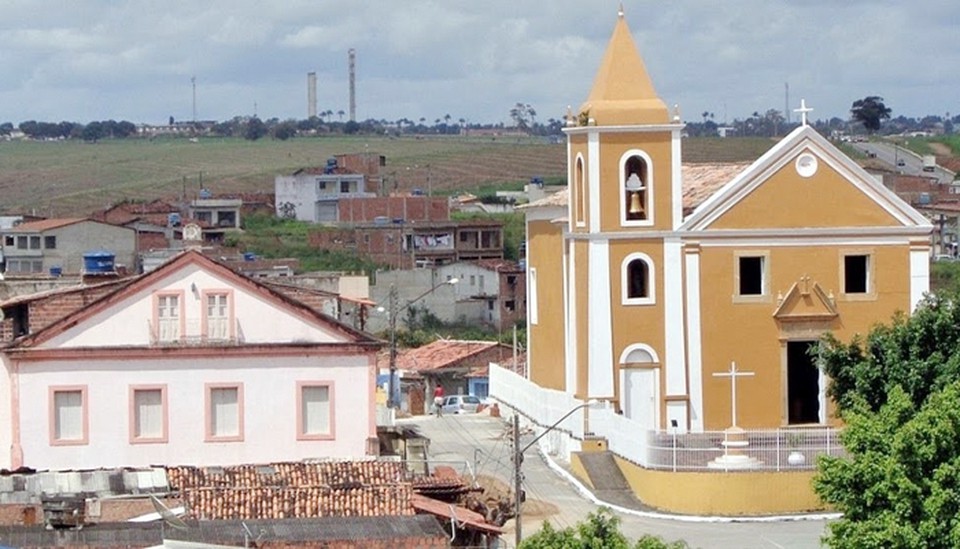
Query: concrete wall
(721, 493)
(269, 407)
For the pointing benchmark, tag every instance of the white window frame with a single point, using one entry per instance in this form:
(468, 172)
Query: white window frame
(302, 433)
(651, 298)
(649, 186)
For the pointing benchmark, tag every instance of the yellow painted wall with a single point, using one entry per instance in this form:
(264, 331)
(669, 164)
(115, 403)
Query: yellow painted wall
(580, 254)
(749, 334)
(545, 253)
(718, 493)
(657, 145)
(787, 200)
(633, 324)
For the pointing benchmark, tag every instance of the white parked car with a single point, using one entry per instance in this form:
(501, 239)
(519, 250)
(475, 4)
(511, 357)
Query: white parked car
(460, 404)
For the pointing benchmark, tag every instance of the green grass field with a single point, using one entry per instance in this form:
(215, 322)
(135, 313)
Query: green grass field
(74, 178)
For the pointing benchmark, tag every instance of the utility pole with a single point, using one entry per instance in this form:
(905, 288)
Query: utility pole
(517, 476)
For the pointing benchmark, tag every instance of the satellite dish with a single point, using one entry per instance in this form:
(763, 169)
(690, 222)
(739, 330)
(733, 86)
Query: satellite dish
(167, 515)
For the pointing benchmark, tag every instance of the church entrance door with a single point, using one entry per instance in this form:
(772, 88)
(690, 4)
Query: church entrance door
(804, 384)
(640, 401)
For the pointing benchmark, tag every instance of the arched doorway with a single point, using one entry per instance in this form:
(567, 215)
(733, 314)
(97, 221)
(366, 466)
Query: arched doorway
(640, 385)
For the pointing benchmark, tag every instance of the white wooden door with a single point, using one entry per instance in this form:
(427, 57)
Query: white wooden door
(640, 402)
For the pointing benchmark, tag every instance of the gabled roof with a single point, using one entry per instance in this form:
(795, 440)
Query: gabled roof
(622, 92)
(699, 182)
(192, 257)
(800, 139)
(47, 224)
(443, 353)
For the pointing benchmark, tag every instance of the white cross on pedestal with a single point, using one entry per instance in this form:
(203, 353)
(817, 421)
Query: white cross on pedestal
(733, 374)
(803, 110)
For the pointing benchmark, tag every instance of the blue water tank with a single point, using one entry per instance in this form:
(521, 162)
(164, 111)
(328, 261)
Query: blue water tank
(98, 262)
(249, 256)
(56, 270)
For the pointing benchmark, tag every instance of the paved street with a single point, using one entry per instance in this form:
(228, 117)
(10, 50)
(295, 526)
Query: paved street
(465, 440)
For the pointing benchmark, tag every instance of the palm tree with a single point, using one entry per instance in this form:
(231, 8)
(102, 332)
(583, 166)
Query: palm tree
(340, 113)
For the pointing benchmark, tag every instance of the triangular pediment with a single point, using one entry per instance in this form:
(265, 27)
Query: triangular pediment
(251, 313)
(805, 183)
(805, 301)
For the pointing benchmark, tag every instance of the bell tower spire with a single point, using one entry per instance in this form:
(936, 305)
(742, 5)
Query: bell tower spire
(622, 92)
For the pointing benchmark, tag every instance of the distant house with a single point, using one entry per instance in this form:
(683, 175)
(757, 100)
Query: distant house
(491, 292)
(60, 245)
(312, 194)
(188, 362)
(448, 363)
(405, 246)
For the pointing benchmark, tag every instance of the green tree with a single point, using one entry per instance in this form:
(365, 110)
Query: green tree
(600, 530)
(255, 129)
(920, 354)
(898, 391)
(870, 111)
(900, 485)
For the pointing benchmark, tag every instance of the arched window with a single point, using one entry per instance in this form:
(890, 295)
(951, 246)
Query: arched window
(580, 190)
(638, 280)
(636, 186)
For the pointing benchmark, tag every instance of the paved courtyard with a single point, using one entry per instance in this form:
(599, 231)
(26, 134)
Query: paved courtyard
(479, 442)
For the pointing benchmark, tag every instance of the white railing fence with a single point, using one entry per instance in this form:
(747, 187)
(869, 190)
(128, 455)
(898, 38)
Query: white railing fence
(540, 407)
(785, 449)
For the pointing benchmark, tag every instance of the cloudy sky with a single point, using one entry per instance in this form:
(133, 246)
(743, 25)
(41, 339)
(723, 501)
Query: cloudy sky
(83, 60)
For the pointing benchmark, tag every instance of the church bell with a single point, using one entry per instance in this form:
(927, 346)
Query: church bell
(636, 207)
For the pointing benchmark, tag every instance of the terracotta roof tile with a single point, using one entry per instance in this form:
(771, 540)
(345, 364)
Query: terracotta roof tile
(440, 354)
(46, 224)
(294, 490)
(699, 182)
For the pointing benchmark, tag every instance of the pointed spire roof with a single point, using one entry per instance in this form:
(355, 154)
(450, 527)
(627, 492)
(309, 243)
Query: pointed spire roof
(622, 91)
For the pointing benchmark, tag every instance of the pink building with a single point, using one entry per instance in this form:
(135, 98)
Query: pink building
(190, 363)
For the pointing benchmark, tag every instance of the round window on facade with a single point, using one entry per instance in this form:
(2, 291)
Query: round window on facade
(806, 165)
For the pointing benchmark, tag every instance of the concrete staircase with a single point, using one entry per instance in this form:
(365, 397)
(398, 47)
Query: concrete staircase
(608, 482)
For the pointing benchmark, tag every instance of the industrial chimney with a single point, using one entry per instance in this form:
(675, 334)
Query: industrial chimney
(311, 94)
(352, 54)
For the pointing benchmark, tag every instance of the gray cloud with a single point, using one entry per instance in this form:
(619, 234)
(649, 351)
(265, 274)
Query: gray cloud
(94, 59)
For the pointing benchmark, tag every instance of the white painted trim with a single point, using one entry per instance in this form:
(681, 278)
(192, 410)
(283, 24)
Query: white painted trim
(593, 183)
(676, 181)
(919, 275)
(694, 349)
(599, 332)
(655, 358)
(883, 235)
(675, 364)
(645, 128)
(533, 300)
(625, 280)
(649, 188)
(579, 187)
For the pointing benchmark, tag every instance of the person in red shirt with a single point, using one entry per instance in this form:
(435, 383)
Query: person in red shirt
(438, 399)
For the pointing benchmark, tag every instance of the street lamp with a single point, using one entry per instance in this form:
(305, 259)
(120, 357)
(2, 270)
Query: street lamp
(393, 312)
(518, 457)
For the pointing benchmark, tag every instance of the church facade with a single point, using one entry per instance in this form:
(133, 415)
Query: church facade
(636, 299)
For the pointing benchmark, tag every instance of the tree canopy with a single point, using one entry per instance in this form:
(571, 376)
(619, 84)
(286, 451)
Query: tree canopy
(870, 111)
(600, 530)
(898, 390)
(920, 354)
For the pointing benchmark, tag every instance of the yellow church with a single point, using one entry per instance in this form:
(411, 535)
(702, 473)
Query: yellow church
(656, 296)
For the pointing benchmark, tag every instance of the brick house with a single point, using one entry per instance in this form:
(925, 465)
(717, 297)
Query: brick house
(406, 246)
